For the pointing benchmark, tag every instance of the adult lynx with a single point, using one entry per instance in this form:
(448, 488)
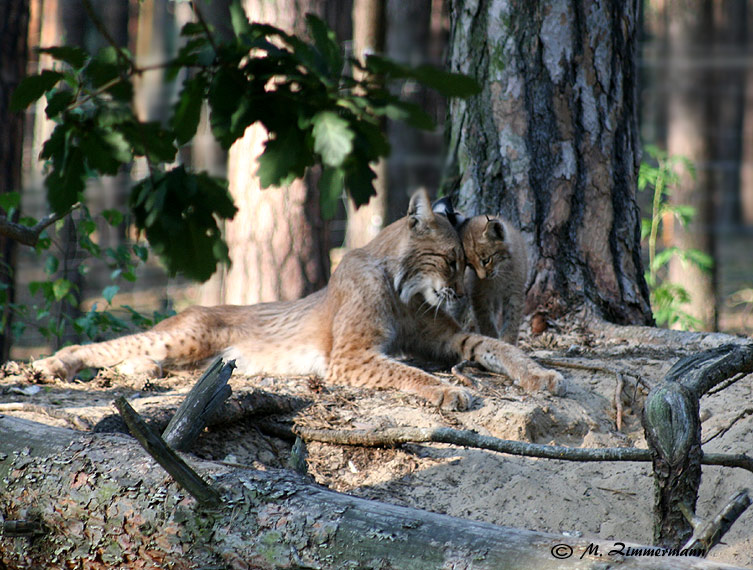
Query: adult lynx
(386, 298)
(495, 280)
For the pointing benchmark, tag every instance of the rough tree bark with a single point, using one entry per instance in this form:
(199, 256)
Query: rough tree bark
(277, 240)
(552, 143)
(14, 21)
(98, 501)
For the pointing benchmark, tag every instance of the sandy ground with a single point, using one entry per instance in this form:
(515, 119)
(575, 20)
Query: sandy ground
(612, 501)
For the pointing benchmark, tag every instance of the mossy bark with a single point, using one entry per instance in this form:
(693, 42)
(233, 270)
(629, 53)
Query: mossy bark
(99, 501)
(552, 144)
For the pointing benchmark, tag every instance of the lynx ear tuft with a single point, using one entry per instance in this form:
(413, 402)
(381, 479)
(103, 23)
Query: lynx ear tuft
(420, 215)
(494, 229)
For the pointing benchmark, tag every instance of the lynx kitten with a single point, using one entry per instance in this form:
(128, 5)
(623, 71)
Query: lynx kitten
(496, 276)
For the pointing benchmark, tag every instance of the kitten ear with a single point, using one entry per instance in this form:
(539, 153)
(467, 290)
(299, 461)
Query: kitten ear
(444, 206)
(420, 215)
(494, 229)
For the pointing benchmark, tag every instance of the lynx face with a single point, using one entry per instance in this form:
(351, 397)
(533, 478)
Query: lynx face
(436, 264)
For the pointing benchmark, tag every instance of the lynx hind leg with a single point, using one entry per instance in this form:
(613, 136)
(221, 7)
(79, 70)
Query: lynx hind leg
(505, 358)
(141, 353)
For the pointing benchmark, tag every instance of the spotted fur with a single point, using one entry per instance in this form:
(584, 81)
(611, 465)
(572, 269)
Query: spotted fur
(393, 296)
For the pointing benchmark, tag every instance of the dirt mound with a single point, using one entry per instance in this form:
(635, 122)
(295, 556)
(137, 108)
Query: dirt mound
(609, 500)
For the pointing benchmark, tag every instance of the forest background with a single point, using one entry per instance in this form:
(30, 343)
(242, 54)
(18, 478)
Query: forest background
(695, 101)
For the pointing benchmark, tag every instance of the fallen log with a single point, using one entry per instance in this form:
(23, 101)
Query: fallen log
(98, 501)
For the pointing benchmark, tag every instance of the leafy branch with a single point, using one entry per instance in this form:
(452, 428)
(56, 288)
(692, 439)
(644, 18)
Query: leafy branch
(301, 91)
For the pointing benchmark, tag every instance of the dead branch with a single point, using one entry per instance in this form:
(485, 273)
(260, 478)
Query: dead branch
(703, 371)
(673, 432)
(72, 419)
(708, 534)
(618, 402)
(29, 235)
(167, 458)
(390, 437)
(206, 396)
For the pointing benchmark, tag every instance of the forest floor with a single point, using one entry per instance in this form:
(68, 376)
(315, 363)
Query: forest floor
(610, 500)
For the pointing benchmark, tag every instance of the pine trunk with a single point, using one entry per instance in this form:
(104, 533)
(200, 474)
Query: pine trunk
(14, 21)
(552, 144)
(365, 222)
(277, 240)
(688, 133)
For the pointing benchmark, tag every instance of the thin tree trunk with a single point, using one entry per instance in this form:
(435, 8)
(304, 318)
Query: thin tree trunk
(14, 22)
(728, 109)
(746, 174)
(277, 240)
(98, 501)
(552, 144)
(688, 136)
(416, 156)
(365, 223)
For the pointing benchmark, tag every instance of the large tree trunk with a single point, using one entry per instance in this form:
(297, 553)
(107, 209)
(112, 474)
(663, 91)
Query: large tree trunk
(688, 136)
(552, 144)
(277, 240)
(98, 501)
(14, 21)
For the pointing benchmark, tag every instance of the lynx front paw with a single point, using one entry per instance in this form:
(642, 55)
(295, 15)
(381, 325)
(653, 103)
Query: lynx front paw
(452, 398)
(53, 366)
(549, 380)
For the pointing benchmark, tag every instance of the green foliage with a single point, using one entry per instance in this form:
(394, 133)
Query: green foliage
(302, 92)
(43, 314)
(667, 299)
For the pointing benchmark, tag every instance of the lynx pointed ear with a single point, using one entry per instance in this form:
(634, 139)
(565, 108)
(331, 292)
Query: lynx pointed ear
(494, 229)
(420, 214)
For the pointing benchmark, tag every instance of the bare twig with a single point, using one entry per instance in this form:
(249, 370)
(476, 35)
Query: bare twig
(558, 363)
(727, 383)
(396, 436)
(737, 418)
(618, 402)
(102, 29)
(72, 419)
(203, 23)
(708, 534)
(29, 235)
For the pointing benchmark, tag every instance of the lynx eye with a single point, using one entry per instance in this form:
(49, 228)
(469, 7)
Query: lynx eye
(486, 261)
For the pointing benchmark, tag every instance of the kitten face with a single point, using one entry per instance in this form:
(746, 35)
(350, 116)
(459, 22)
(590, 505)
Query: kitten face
(486, 248)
